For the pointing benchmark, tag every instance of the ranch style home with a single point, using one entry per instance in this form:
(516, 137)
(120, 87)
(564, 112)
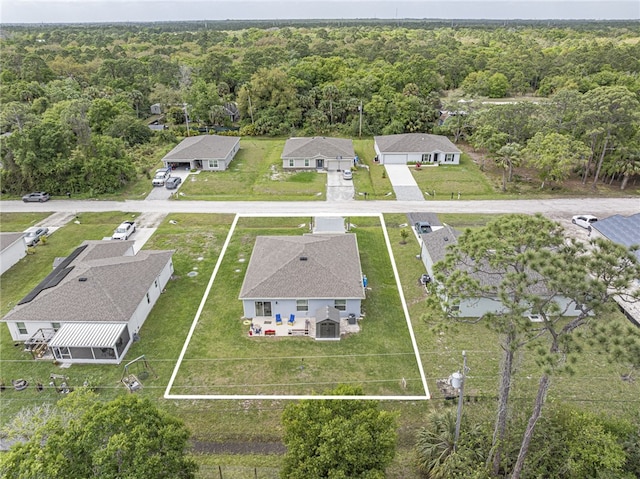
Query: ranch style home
(204, 152)
(318, 153)
(12, 249)
(416, 148)
(312, 284)
(433, 248)
(91, 307)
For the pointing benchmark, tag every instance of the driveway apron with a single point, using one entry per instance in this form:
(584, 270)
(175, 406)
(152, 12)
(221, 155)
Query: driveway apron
(403, 183)
(339, 189)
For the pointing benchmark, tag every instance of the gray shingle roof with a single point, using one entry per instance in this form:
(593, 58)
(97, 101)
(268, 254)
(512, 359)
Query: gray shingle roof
(437, 241)
(7, 239)
(212, 147)
(624, 230)
(415, 143)
(331, 269)
(114, 287)
(318, 146)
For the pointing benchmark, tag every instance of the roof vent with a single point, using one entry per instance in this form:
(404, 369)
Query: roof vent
(82, 279)
(446, 238)
(303, 258)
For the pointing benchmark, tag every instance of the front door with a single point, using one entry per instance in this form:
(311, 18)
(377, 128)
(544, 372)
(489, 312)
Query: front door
(319, 163)
(263, 308)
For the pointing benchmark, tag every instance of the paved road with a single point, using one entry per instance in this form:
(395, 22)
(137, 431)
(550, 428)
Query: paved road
(555, 208)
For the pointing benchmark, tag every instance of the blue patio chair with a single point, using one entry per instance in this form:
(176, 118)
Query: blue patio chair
(292, 319)
(278, 319)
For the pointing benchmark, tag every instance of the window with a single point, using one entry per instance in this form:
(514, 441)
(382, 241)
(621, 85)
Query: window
(213, 163)
(22, 329)
(148, 299)
(340, 304)
(306, 162)
(263, 308)
(448, 158)
(156, 282)
(426, 158)
(302, 305)
(292, 163)
(55, 326)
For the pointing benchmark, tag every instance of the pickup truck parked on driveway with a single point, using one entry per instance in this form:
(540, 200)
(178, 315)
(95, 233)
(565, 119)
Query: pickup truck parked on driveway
(125, 230)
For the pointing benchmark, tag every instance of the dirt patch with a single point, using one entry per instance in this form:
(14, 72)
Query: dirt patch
(150, 220)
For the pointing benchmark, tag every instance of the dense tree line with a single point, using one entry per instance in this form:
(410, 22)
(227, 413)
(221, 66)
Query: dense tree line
(318, 80)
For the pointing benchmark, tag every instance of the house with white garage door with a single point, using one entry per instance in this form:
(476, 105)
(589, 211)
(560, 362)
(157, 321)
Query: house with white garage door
(416, 148)
(318, 153)
(205, 152)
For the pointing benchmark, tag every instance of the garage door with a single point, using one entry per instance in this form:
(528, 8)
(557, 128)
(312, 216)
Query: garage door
(395, 160)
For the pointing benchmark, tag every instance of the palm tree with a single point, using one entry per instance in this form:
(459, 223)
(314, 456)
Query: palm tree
(507, 157)
(434, 446)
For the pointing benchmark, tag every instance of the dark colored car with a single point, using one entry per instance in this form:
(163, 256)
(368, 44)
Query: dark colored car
(173, 182)
(422, 227)
(32, 238)
(38, 196)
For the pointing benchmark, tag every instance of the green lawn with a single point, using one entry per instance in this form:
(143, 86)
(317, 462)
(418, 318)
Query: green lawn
(465, 178)
(373, 179)
(223, 359)
(256, 174)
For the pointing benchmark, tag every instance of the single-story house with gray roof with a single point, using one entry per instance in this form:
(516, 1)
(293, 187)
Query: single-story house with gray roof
(204, 152)
(416, 148)
(433, 249)
(318, 153)
(624, 230)
(300, 274)
(93, 304)
(12, 249)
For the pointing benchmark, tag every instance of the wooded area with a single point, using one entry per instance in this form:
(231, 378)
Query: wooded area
(75, 98)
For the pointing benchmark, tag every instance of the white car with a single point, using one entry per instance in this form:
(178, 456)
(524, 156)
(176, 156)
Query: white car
(347, 174)
(125, 230)
(584, 220)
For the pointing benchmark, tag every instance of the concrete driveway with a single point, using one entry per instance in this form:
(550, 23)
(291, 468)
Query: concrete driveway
(161, 193)
(403, 183)
(339, 189)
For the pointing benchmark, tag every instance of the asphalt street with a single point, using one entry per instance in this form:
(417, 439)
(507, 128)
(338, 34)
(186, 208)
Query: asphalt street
(554, 208)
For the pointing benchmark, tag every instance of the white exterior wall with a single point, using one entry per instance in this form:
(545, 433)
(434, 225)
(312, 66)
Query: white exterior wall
(31, 326)
(299, 164)
(12, 254)
(286, 307)
(144, 308)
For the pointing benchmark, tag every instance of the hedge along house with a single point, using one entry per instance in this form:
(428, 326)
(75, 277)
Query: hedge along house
(416, 148)
(92, 305)
(318, 153)
(12, 249)
(205, 152)
(433, 248)
(299, 275)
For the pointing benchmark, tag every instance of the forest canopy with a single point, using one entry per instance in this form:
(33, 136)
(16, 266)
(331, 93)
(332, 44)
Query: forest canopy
(76, 99)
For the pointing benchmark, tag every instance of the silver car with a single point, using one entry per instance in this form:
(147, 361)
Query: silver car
(37, 196)
(32, 238)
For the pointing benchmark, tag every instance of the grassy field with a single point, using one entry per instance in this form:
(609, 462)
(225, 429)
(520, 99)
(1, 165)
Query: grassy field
(223, 359)
(198, 239)
(255, 174)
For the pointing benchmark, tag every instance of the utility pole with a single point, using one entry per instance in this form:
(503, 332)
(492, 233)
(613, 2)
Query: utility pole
(457, 381)
(360, 126)
(186, 117)
(250, 107)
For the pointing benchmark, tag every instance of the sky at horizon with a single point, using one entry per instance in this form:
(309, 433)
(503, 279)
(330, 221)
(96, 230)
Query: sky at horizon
(84, 11)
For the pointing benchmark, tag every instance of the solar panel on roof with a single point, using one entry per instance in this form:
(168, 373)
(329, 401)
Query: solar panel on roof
(54, 278)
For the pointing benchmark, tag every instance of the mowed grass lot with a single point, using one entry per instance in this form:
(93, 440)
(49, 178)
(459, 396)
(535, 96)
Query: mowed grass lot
(465, 178)
(223, 359)
(595, 385)
(197, 240)
(256, 174)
